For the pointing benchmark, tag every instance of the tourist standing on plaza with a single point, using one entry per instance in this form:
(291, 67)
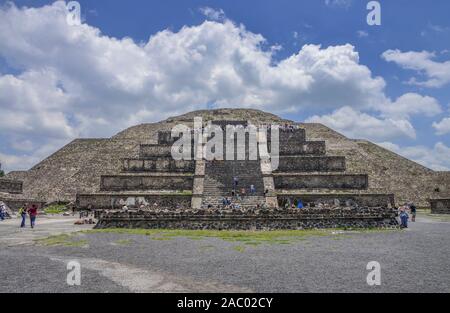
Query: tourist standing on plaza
(33, 213)
(252, 189)
(413, 210)
(23, 214)
(2, 211)
(403, 217)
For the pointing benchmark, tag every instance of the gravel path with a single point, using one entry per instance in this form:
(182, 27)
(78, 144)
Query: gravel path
(414, 260)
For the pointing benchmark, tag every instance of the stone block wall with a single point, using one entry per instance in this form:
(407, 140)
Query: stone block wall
(440, 206)
(10, 186)
(106, 201)
(145, 182)
(154, 150)
(160, 164)
(150, 151)
(316, 181)
(364, 200)
(290, 136)
(15, 204)
(306, 148)
(251, 219)
(311, 164)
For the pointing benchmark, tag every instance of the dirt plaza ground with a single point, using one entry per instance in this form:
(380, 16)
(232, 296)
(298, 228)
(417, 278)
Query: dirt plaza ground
(413, 260)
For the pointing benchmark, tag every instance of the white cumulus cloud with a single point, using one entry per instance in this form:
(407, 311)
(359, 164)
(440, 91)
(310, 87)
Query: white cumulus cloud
(356, 124)
(213, 14)
(442, 127)
(75, 81)
(437, 74)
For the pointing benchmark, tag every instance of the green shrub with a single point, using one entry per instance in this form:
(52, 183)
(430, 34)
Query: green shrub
(55, 209)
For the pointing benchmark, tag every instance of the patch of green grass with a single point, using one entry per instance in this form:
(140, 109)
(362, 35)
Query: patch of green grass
(426, 212)
(239, 248)
(160, 238)
(438, 217)
(207, 247)
(55, 209)
(124, 242)
(65, 240)
(245, 237)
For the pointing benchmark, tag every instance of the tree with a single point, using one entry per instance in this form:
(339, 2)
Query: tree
(2, 173)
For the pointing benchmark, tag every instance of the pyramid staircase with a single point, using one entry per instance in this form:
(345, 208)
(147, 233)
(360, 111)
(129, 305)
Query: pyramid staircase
(218, 182)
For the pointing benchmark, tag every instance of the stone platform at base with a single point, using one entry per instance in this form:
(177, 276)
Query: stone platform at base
(440, 206)
(251, 219)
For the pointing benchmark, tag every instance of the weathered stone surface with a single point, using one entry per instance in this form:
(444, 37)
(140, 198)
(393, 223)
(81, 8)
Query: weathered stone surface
(104, 201)
(440, 206)
(289, 136)
(321, 181)
(154, 151)
(10, 186)
(364, 200)
(311, 164)
(219, 181)
(306, 148)
(146, 182)
(251, 219)
(75, 168)
(159, 164)
(11, 195)
(15, 203)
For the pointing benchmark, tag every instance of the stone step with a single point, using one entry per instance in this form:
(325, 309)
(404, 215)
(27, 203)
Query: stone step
(306, 148)
(219, 181)
(311, 164)
(159, 164)
(289, 136)
(152, 151)
(322, 180)
(361, 199)
(116, 200)
(246, 201)
(124, 182)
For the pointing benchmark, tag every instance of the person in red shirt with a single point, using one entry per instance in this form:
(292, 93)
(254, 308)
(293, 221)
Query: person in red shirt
(33, 213)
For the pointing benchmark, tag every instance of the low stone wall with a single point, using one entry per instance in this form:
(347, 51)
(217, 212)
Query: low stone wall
(150, 151)
(311, 164)
(10, 186)
(369, 200)
(16, 204)
(115, 201)
(440, 206)
(306, 148)
(289, 136)
(251, 219)
(161, 164)
(146, 182)
(312, 181)
(155, 150)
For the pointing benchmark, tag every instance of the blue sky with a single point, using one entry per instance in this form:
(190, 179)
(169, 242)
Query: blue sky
(400, 89)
